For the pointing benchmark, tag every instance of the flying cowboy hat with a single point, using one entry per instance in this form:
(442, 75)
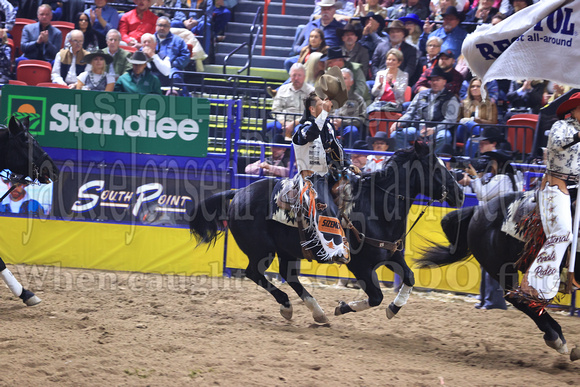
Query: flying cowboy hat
(331, 85)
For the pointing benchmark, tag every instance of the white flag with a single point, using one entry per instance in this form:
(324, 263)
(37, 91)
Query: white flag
(541, 41)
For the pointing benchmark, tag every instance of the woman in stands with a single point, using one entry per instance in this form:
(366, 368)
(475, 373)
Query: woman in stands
(83, 24)
(97, 78)
(391, 83)
(5, 58)
(316, 43)
(475, 111)
(415, 27)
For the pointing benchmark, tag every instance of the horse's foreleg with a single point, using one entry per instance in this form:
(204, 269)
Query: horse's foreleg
(255, 271)
(553, 335)
(370, 284)
(16, 288)
(399, 266)
(289, 271)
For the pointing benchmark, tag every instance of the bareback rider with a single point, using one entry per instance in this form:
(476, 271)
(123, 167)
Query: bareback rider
(542, 279)
(321, 163)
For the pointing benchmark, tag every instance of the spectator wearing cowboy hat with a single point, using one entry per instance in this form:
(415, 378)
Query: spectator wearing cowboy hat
(97, 78)
(372, 34)
(363, 8)
(351, 48)
(139, 79)
(397, 34)
(327, 23)
(408, 7)
(451, 33)
(335, 57)
(436, 104)
(446, 61)
(415, 27)
(354, 108)
(379, 143)
(359, 160)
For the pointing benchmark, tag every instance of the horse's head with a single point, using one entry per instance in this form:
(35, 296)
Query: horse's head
(24, 156)
(428, 175)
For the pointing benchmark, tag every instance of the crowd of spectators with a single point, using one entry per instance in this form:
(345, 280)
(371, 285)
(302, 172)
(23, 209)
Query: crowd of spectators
(404, 57)
(109, 38)
(394, 54)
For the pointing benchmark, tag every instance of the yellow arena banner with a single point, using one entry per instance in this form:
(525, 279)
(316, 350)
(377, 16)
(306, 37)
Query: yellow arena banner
(107, 246)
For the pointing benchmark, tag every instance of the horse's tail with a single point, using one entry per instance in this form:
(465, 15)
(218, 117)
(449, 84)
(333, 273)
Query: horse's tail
(208, 217)
(455, 225)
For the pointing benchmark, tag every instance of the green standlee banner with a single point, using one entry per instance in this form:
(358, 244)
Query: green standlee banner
(118, 122)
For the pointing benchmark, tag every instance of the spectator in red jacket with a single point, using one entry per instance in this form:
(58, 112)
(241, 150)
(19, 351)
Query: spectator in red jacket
(135, 23)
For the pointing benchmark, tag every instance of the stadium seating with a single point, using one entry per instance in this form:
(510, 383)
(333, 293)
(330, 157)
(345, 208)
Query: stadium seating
(64, 27)
(33, 71)
(522, 139)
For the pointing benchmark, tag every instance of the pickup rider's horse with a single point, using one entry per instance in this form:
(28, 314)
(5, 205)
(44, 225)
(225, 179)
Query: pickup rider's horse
(21, 154)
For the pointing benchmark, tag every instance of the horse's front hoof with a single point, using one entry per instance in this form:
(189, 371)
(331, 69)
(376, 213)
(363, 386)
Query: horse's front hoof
(286, 312)
(392, 310)
(558, 345)
(29, 298)
(575, 354)
(321, 318)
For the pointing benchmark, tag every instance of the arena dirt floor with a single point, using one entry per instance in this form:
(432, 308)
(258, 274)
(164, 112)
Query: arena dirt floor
(97, 328)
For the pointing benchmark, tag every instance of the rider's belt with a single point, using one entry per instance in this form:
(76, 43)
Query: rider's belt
(568, 178)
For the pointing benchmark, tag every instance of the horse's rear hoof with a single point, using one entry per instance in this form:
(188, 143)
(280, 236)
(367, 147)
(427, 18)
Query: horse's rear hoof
(342, 308)
(392, 310)
(34, 300)
(575, 354)
(321, 318)
(558, 345)
(286, 312)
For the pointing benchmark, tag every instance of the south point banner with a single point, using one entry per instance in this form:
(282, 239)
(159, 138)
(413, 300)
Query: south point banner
(540, 42)
(118, 122)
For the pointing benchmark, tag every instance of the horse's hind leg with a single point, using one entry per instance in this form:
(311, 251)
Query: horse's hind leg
(255, 271)
(16, 288)
(553, 335)
(289, 271)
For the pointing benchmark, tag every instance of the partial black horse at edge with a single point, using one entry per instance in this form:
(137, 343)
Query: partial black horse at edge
(382, 201)
(23, 156)
(477, 231)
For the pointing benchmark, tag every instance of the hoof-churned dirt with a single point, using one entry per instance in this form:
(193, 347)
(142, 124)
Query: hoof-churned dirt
(97, 328)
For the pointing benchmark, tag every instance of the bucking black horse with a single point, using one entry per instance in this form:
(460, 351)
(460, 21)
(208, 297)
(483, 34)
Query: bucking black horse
(381, 202)
(23, 156)
(478, 231)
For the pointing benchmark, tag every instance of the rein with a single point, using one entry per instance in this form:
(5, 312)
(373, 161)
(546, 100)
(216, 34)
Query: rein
(398, 244)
